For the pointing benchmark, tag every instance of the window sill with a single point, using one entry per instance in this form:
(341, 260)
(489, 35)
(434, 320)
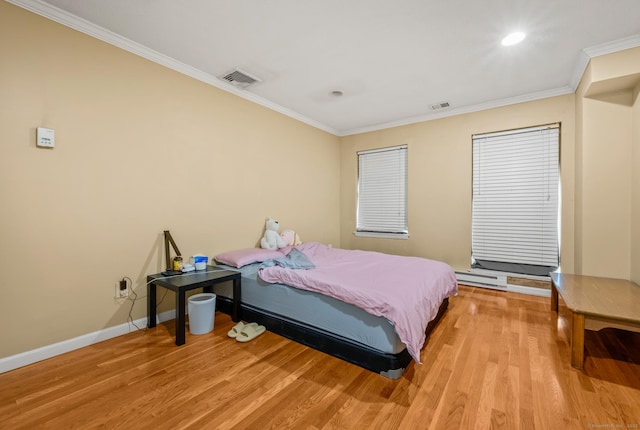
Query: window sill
(382, 235)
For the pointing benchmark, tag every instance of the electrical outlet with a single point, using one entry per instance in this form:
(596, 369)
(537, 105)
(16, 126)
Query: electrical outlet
(122, 289)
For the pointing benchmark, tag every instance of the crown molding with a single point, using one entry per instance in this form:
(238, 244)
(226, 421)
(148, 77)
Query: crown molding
(62, 17)
(615, 46)
(583, 61)
(598, 50)
(463, 110)
(579, 69)
(72, 21)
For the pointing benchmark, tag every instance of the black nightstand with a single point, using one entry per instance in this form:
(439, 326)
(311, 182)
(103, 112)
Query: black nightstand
(180, 284)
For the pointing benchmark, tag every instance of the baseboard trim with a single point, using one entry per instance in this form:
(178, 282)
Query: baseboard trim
(28, 357)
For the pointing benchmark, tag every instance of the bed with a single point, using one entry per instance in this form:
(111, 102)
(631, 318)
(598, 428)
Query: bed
(326, 321)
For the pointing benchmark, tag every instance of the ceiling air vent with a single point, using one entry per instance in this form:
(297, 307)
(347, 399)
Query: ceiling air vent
(440, 105)
(240, 79)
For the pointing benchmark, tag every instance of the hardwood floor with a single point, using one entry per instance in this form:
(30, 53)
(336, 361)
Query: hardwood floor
(496, 360)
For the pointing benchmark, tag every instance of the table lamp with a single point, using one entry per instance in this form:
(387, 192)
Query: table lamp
(167, 254)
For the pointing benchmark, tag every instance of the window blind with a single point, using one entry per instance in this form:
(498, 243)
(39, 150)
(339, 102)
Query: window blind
(382, 191)
(516, 196)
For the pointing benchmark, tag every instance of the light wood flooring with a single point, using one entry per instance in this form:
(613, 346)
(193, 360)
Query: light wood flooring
(496, 360)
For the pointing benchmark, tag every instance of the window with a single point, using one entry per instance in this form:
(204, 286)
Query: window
(382, 193)
(516, 200)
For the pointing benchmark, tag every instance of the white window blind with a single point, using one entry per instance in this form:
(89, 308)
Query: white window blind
(516, 196)
(382, 192)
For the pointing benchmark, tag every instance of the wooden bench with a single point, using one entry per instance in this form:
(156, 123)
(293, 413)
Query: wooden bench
(595, 303)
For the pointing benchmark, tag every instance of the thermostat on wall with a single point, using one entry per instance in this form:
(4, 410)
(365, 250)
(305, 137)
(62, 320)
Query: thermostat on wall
(46, 138)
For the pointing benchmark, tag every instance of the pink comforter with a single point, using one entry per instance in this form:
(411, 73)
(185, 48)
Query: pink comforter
(406, 290)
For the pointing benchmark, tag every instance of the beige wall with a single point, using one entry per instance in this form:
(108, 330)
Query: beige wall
(607, 233)
(635, 189)
(578, 200)
(606, 180)
(439, 170)
(140, 149)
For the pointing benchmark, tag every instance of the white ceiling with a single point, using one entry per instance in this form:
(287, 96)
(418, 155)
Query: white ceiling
(392, 59)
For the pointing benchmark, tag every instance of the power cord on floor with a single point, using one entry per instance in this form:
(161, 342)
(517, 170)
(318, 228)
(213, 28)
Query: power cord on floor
(133, 296)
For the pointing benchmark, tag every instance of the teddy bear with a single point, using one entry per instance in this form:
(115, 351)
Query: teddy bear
(290, 238)
(271, 238)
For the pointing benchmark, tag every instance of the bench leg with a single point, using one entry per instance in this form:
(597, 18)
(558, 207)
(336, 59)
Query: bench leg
(554, 298)
(577, 341)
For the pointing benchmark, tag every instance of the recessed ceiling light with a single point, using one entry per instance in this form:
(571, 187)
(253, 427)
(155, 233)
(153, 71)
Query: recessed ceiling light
(513, 38)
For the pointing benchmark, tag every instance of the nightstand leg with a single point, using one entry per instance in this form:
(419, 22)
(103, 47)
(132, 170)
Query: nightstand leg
(180, 318)
(151, 305)
(237, 300)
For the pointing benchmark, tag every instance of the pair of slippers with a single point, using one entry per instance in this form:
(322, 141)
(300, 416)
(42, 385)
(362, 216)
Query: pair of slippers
(245, 332)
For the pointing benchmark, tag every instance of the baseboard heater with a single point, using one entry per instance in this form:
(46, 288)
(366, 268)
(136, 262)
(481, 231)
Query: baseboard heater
(500, 281)
(482, 280)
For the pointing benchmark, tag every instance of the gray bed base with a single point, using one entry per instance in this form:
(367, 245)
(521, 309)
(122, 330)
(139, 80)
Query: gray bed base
(391, 366)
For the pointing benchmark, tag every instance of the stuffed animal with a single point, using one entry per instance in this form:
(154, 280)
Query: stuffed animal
(290, 238)
(271, 238)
